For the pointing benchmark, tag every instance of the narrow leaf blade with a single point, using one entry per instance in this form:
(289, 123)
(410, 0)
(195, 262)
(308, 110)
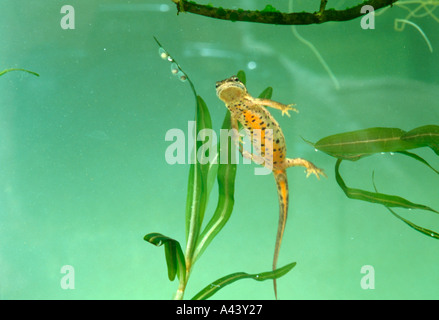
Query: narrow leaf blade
(266, 94)
(356, 144)
(376, 197)
(420, 159)
(241, 76)
(425, 231)
(426, 135)
(226, 189)
(198, 183)
(217, 285)
(173, 253)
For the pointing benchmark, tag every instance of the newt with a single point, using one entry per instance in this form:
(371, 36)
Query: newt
(263, 129)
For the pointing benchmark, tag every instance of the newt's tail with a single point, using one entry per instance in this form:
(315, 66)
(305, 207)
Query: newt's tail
(282, 191)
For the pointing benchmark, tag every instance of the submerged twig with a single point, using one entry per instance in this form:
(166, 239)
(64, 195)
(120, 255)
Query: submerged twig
(272, 16)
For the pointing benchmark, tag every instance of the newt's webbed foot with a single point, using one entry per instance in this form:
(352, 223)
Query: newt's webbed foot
(309, 166)
(317, 171)
(288, 108)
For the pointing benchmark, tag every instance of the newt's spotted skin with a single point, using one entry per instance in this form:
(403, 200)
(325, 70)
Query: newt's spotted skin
(252, 115)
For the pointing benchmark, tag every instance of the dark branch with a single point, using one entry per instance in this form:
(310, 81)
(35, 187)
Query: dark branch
(276, 17)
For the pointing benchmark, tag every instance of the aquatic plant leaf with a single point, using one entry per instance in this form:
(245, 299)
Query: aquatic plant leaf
(422, 230)
(226, 189)
(416, 157)
(266, 94)
(241, 76)
(425, 231)
(197, 184)
(376, 197)
(18, 69)
(173, 253)
(356, 144)
(426, 135)
(198, 173)
(212, 173)
(203, 121)
(217, 285)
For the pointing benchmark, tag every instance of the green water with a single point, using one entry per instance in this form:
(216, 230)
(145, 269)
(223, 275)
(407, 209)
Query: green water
(83, 175)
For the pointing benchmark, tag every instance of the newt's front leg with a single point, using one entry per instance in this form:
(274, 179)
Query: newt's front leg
(276, 105)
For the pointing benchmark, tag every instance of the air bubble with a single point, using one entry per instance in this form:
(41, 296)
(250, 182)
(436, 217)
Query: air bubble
(174, 68)
(164, 8)
(163, 54)
(252, 65)
(181, 76)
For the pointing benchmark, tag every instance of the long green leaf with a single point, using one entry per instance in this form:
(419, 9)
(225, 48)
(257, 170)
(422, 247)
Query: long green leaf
(422, 230)
(173, 253)
(266, 94)
(241, 76)
(356, 144)
(217, 285)
(425, 231)
(376, 197)
(416, 157)
(198, 184)
(427, 135)
(226, 190)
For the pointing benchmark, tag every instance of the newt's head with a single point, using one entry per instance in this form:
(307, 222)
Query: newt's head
(230, 89)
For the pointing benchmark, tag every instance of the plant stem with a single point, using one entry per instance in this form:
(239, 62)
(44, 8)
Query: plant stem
(183, 282)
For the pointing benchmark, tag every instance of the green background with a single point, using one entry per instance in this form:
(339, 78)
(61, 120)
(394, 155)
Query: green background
(83, 175)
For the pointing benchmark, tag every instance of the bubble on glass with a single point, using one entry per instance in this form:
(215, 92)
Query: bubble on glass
(252, 65)
(181, 76)
(164, 8)
(174, 68)
(163, 54)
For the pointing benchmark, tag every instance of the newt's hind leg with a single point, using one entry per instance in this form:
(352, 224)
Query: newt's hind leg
(309, 166)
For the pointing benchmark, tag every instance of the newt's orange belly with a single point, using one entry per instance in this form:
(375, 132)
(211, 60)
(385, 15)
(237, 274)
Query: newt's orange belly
(265, 143)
